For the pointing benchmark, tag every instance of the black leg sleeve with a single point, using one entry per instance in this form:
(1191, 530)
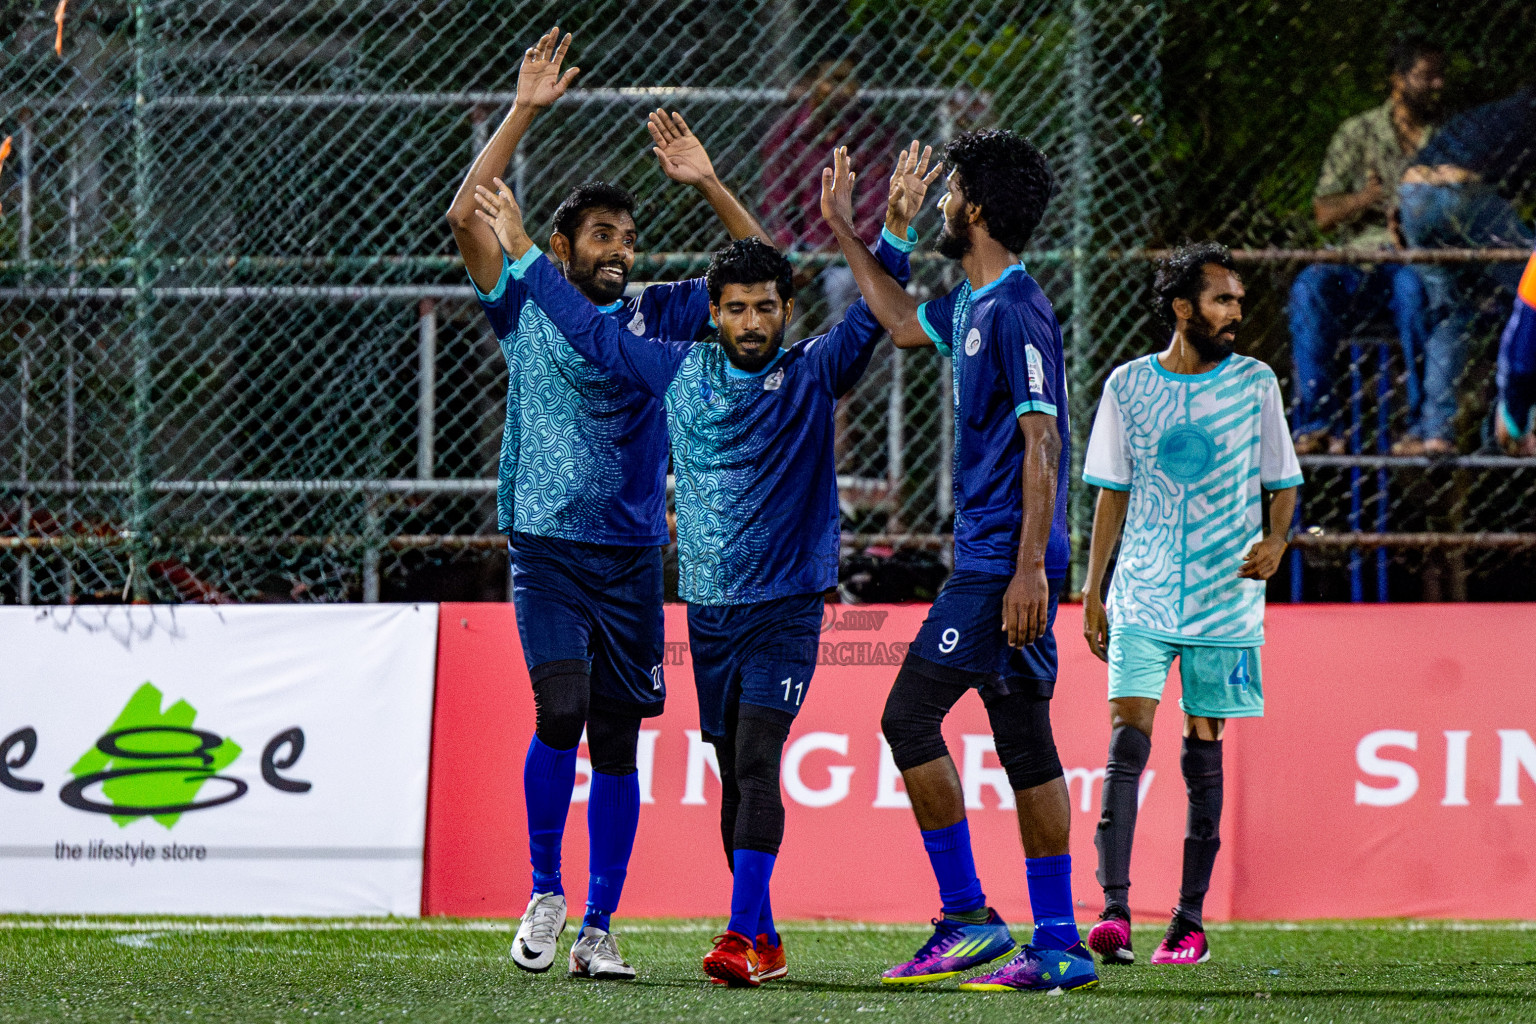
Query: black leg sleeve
(1201, 765)
(561, 694)
(1129, 749)
(760, 737)
(612, 740)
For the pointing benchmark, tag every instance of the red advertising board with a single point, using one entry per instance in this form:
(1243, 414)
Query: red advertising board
(1398, 739)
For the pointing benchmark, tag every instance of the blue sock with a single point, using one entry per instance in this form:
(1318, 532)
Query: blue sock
(949, 851)
(765, 922)
(749, 890)
(549, 775)
(1050, 897)
(613, 815)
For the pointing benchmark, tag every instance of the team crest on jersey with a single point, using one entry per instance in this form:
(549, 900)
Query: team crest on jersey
(774, 380)
(973, 342)
(637, 324)
(1186, 453)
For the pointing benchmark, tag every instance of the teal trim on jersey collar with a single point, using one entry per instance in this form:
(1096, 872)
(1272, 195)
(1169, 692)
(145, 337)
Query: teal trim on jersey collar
(900, 244)
(1094, 481)
(732, 370)
(977, 293)
(1280, 485)
(1188, 378)
(521, 266)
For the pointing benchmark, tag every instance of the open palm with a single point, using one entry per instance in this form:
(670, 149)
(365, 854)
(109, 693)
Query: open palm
(910, 181)
(539, 81)
(682, 155)
(837, 188)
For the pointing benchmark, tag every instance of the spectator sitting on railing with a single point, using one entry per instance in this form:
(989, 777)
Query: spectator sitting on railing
(1515, 417)
(827, 113)
(1457, 195)
(1356, 202)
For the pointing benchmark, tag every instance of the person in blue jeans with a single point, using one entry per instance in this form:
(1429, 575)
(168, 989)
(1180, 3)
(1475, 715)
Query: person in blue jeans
(1355, 203)
(1457, 194)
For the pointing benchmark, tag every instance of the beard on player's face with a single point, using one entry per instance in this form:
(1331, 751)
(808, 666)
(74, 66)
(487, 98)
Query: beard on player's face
(600, 276)
(953, 244)
(752, 350)
(1211, 343)
(954, 238)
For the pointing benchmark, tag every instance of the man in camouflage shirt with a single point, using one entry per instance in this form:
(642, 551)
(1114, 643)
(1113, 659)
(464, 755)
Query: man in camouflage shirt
(1356, 201)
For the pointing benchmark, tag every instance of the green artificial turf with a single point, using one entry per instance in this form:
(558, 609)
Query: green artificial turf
(186, 970)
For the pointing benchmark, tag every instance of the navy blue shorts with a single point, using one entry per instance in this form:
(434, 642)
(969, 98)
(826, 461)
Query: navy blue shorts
(597, 603)
(964, 632)
(762, 654)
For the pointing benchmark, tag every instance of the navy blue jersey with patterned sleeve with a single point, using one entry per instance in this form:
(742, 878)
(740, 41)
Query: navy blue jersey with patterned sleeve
(1007, 362)
(757, 509)
(583, 458)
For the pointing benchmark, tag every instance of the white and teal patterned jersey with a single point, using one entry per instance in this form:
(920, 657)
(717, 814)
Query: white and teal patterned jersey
(1194, 451)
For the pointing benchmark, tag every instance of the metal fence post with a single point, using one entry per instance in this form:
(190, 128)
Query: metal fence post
(24, 338)
(426, 389)
(1081, 339)
(143, 311)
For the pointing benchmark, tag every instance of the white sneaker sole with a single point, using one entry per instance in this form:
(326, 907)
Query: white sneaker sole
(529, 963)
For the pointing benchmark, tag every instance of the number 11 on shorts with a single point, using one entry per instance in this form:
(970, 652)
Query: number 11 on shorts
(798, 687)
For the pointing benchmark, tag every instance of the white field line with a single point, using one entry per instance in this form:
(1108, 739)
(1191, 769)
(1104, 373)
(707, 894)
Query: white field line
(188, 926)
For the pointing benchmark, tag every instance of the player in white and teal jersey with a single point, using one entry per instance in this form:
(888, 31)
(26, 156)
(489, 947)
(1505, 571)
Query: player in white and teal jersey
(1185, 444)
(582, 499)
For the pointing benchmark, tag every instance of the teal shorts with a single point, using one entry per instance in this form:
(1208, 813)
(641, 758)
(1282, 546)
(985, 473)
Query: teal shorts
(1217, 682)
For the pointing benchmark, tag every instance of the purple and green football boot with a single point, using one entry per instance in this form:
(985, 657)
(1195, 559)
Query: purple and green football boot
(1051, 971)
(956, 947)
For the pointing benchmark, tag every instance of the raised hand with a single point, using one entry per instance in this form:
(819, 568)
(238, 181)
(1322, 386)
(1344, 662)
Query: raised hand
(539, 81)
(680, 152)
(837, 189)
(909, 186)
(499, 210)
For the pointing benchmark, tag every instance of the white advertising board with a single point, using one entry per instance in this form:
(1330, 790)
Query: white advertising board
(215, 760)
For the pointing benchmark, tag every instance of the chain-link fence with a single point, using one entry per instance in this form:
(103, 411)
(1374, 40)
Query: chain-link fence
(239, 358)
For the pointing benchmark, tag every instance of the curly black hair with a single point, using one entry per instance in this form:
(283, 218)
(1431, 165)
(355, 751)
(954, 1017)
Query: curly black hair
(590, 195)
(1008, 177)
(1182, 275)
(749, 261)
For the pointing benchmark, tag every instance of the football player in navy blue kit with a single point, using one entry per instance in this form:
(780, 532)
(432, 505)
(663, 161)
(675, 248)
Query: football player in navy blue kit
(990, 627)
(582, 499)
(752, 426)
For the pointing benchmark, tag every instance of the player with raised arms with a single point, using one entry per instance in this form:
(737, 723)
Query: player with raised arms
(990, 627)
(752, 427)
(582, 498)
(1183, 446)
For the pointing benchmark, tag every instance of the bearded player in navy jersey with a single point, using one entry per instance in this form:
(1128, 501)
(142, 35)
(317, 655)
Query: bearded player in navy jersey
(582, 498)
(752, 427)
(990, 627)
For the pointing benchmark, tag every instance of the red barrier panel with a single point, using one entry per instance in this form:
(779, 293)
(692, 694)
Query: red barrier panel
(851, 847)
(1309, 831)
(1393, 775)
